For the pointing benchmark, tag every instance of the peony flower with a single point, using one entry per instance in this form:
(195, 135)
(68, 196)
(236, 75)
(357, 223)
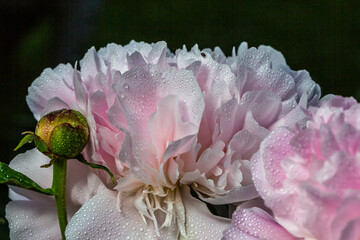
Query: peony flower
(309, 177)
(246, 96)
(163, 107)
(168, 124)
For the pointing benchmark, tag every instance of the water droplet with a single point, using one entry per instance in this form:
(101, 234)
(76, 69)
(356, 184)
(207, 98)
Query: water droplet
(126, 86)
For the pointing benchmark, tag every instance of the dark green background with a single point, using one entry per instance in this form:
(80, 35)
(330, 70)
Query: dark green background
(320, 36)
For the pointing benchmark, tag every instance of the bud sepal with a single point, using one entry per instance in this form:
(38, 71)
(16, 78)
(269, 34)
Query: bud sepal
(28, 138)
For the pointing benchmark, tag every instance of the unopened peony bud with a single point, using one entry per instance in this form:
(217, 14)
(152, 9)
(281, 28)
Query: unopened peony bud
(62, 133)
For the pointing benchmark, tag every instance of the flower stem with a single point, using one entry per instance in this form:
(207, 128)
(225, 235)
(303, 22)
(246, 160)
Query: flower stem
(59, 188)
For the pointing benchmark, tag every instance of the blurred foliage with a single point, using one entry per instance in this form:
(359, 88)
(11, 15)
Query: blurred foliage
(321, 36)
(34, 49)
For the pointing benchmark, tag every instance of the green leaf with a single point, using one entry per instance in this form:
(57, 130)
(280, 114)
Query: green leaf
(28, 138)
(81, 159)
(10, 176)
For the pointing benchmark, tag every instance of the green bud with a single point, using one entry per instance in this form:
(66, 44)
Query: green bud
(62, 133)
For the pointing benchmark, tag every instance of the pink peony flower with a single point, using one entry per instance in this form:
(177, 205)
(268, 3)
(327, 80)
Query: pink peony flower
(310, 178)
(165, 124)
(246, 96)
(163, 106)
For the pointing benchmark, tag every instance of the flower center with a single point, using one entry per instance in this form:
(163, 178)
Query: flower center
(159, 204)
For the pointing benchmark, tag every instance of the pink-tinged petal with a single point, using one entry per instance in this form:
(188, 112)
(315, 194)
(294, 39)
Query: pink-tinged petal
(264, 105)
(293, 114)
(253, 127)
(169, 167)
(340, 102)
(254, 223)
(271, 169)
(139, 92)
(116, 117)
(216, 80)
(347, 216)
(266, 69)
(110, 149)
(256, 73)
(49, 84)
(99, 106)
(165, 125)
(211, 157)
(347, 136)
(200, 222)
(229, 121)
(352, 231)
(99, 218)
(217, 83)
(80, 91)
(305, 85)
(145, 96)
(136, 60)
(103, 81)
(243, 144)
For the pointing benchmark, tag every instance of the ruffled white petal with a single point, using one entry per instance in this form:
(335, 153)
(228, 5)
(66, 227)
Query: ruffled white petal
(99, 219)
(34, 215)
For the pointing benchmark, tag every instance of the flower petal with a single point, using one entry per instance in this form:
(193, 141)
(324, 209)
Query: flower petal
(30, 214)
(99, 218)
(254, 223)
(235, 195)
(144, 96)
(91, 64)
(200, 222)
(165, 125)
(33, 220)
(51, 82)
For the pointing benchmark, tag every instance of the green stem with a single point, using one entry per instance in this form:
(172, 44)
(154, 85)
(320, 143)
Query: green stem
(59, 188)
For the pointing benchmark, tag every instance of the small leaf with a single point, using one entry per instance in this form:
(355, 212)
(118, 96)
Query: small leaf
(28, 138)
(81, 159)
(10, 176)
